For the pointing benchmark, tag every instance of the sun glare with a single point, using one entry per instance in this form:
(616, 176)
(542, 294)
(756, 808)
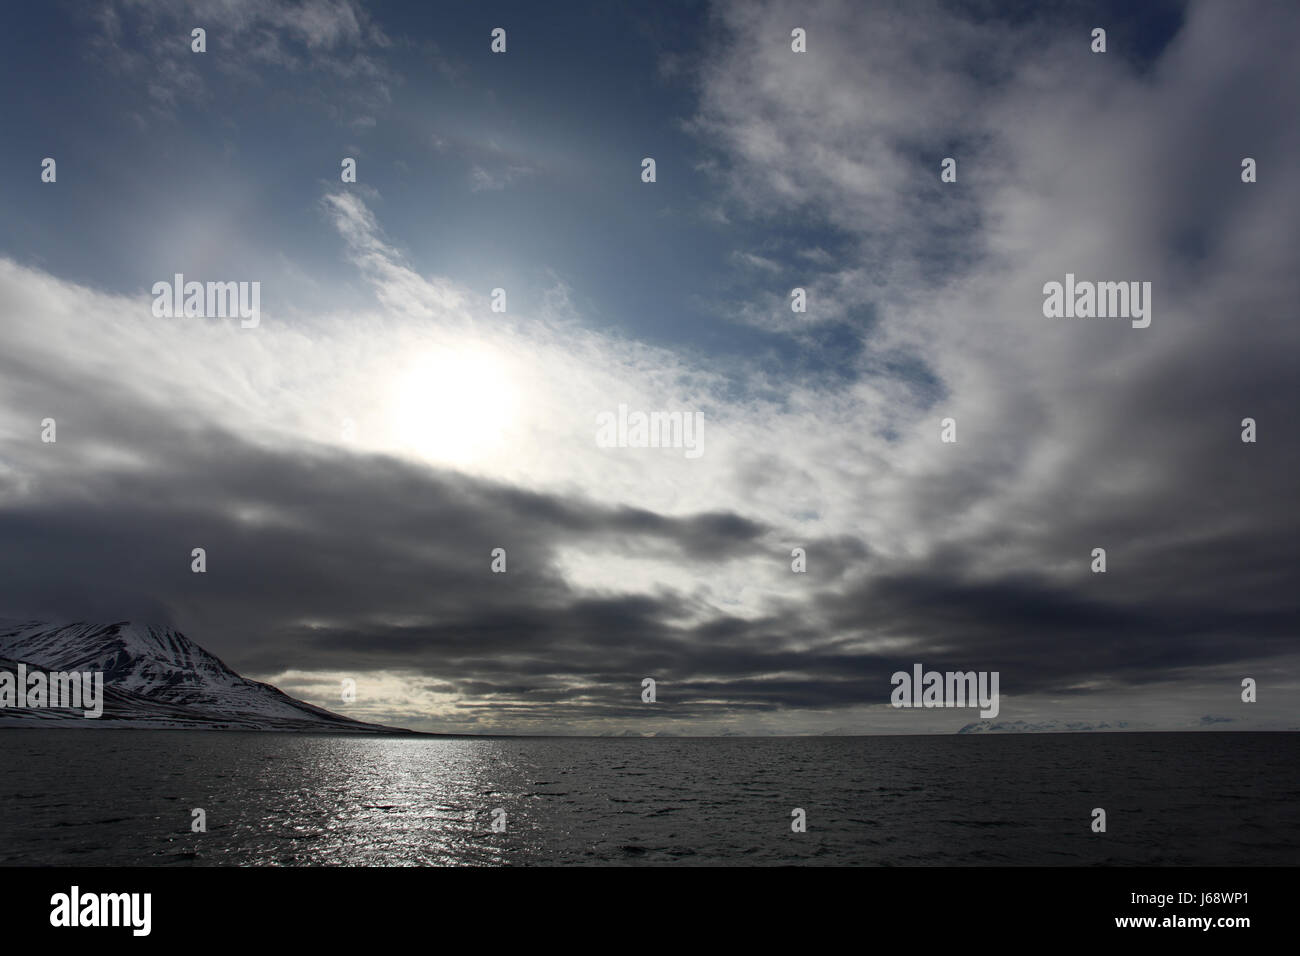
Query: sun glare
(452, 405)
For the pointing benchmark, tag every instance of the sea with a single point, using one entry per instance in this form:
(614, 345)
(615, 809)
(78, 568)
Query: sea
(138, 797)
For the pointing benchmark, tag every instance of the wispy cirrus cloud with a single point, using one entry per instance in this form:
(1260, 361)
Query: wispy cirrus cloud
(150, 44)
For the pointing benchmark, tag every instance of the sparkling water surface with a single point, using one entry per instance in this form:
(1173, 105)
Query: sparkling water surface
(124, 797)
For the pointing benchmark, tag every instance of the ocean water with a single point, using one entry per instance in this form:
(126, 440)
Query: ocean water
(110, 797)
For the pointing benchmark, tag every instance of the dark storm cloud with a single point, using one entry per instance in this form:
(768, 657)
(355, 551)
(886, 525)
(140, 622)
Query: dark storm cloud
(320, 559)
(306, 532)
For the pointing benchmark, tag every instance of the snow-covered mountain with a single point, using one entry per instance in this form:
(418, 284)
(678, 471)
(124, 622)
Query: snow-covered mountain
(1044, 727)
(157, 678)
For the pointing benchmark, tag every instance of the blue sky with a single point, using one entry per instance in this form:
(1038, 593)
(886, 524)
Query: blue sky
(518, 171)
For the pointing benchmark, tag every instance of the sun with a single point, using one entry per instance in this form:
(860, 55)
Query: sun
(452, 405)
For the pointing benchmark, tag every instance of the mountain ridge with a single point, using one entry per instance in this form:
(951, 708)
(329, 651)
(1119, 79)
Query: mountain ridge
(157, 678)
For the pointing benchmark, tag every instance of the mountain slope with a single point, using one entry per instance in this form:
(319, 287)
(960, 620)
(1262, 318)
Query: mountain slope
(155, 677)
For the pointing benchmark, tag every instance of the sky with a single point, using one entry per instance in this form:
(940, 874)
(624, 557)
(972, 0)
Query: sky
(350, 463)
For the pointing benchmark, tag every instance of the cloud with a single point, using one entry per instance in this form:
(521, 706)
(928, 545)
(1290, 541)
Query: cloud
(150, 43)
(367, 555)
(483, 179)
